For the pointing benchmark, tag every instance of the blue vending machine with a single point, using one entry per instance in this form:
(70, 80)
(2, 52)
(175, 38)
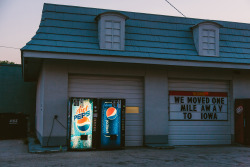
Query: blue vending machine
(112, 123)
(82, 119)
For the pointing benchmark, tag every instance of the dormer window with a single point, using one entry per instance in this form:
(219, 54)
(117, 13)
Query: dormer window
(206, 38)
(111, 30)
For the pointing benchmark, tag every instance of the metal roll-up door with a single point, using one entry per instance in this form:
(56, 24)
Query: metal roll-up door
(129, 88)
(200, 132)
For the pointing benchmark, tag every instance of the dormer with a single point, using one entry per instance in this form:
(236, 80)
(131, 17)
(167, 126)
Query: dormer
(206, 38)
(111, 30)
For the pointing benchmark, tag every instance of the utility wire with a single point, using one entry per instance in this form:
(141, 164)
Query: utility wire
(175, 8)
(60, 123)
(50, 132)
(9, 47)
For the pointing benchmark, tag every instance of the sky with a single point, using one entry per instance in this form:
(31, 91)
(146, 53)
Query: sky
(19, 19)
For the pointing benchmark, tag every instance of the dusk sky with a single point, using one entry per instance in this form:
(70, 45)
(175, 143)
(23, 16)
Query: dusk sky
(19, 19)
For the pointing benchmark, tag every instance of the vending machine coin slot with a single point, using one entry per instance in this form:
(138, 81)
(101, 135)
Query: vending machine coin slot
(84, 137)
(113, 137)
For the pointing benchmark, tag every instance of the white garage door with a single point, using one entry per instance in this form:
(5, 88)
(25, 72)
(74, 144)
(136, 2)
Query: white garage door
(129, 88)
(199, 132)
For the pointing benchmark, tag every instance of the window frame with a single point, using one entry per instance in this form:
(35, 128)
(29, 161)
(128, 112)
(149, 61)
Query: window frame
(198, 35)
(111, 17)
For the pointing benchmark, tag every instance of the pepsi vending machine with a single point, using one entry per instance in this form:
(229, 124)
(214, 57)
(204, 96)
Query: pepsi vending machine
(112, 123)
(82, 119)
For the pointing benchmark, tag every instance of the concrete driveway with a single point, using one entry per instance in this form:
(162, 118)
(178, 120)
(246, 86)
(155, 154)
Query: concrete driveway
(15, 153)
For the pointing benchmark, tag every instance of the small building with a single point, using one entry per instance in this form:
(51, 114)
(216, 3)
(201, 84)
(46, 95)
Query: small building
(17, 102)
(184, 74)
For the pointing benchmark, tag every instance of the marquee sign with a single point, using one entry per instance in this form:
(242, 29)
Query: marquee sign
(189, 106)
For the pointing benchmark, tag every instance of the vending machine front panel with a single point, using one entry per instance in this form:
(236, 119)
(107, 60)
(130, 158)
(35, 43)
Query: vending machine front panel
(82, 129)
(112, 122)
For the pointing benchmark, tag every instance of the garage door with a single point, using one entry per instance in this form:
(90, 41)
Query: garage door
(129, 88)
(199, 129)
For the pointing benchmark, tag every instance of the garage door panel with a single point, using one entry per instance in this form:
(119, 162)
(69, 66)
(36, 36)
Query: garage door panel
(180, 85)
(135, 102)
(101, 77)
(104, 95)
(199, 83)
(199, 130)
(111, 87)
(134, 117)
(129, 88)
(134, 131)
(134, 123)
(198, 123)
(199, 142)
(134, 143)
(134, 138)
(201, 89)
(200, 137)
(107, 81)
(134, 127)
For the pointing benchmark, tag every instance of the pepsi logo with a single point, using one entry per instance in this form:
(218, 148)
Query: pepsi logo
(111, 113)
(81, 119)
(239, 110)
(83, 124)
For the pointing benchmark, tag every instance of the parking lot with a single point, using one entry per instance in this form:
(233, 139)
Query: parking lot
(15, 153)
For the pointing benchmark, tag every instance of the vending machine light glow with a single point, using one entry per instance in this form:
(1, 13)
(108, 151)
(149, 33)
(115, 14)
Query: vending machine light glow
(82, 120)
(112, 113)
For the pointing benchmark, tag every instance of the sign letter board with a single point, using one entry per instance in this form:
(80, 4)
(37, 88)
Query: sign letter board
(202, 106)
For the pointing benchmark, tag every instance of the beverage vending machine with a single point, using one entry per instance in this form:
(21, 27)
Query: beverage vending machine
(112, 133)
(242, 121)
(82, 121)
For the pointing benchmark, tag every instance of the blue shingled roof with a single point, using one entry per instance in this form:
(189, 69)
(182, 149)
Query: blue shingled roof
(69, 29)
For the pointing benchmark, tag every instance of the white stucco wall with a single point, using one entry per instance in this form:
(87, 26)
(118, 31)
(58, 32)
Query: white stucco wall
(40, 104)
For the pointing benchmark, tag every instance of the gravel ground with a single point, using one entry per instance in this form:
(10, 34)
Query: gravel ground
(15, 153)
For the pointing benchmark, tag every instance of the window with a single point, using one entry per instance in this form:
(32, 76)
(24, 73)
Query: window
(111, 31)
(208, 42)
(112, 35)
(206, 38)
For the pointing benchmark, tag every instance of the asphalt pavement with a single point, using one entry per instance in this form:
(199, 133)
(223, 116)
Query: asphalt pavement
(15, 153)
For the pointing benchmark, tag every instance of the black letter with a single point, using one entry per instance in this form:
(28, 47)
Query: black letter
(183, 108)
(213, 100)
(222, 100)
(220, 107)
(207, 107)
(203, 100)
(189, 99)
(202, 108)
(195, 99)
(177, 99)
(182, 99)
(189, 115)
(194, 108)
(210, 115)
(215, 116)
(218, 100)
(184, 115)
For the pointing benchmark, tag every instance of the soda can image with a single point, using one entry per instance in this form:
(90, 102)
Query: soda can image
(81, 123)
(110, 124)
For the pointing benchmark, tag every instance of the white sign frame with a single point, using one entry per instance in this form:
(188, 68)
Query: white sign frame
(198, 106)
